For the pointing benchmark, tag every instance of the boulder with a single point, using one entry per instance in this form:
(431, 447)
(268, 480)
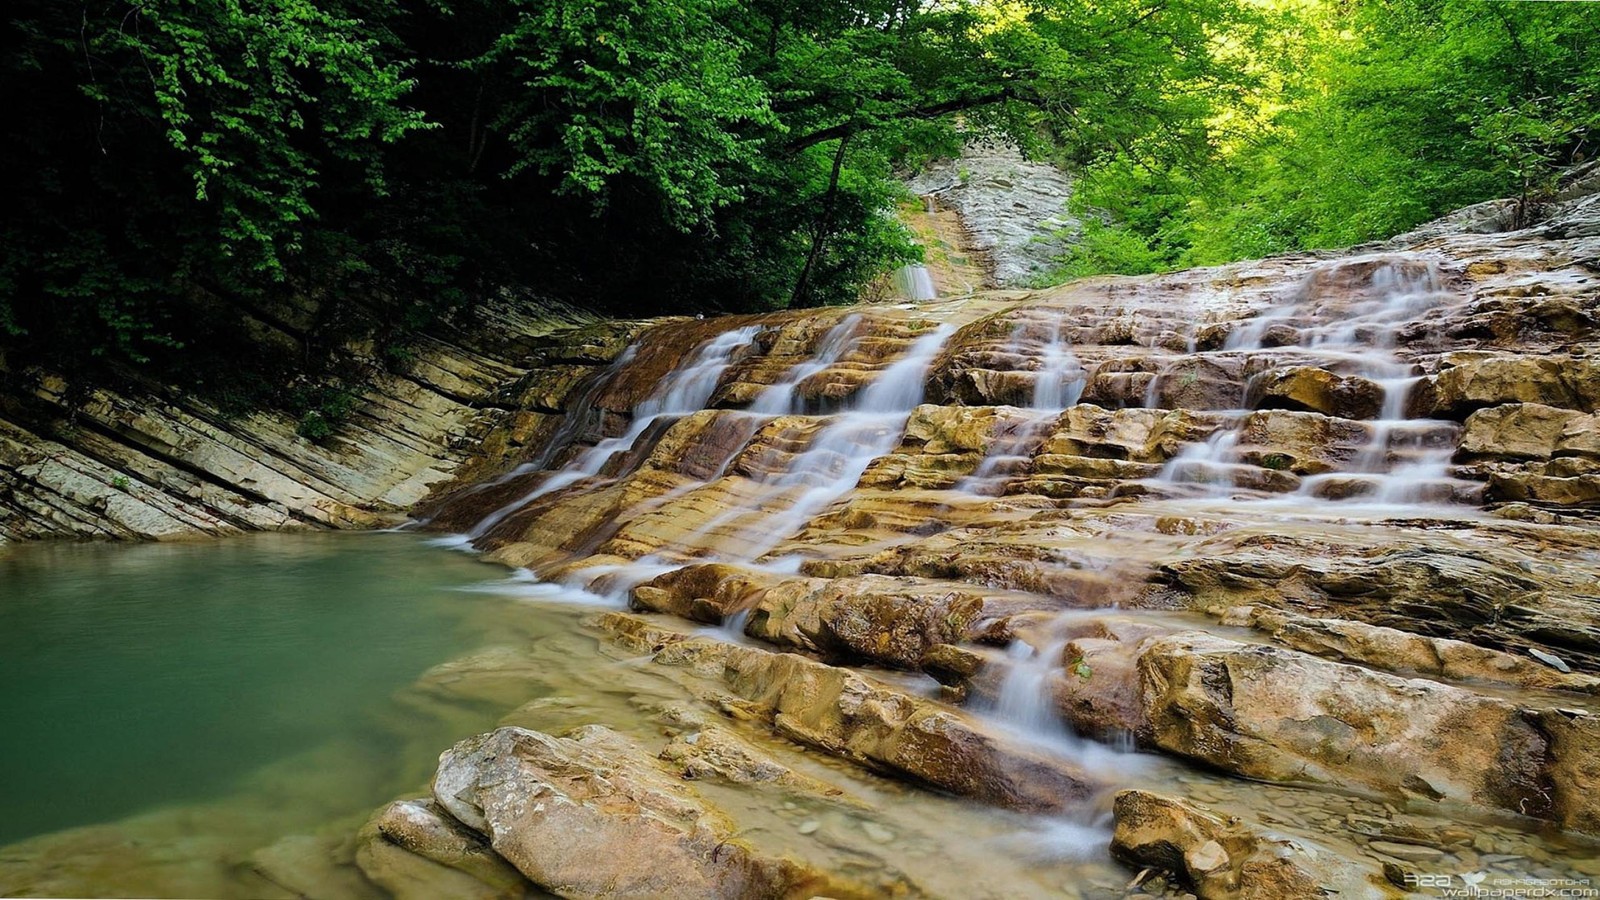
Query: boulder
(413, 849)
(1474, 382)
(1286, 716)
(1303, 443)
(1551, 490)
(1311, 389)
(1199, 383)
(1580, 437)
(587, 816)
(703, 593)
(1230, 859)
(953, 429)
(1523, 431)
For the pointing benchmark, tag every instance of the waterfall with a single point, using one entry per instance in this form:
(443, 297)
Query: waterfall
(685, 390)
(781, 397)
(1060, 381)
(1359, 340)
(582, 407)
(915, 282)
(1026, 702)
(1423, 447)
(1057, 385)
(1210, 464)
(841, 451)
(828, 468)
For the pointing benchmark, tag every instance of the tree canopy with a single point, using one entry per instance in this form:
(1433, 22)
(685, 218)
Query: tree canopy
(1366, 119)
(228, 191)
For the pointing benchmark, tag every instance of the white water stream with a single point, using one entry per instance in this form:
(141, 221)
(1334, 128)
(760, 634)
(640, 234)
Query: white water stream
(684, 391)
(1404, 461)
(1057, 385)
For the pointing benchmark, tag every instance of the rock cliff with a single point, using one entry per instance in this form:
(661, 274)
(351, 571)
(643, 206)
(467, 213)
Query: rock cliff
(160, 464)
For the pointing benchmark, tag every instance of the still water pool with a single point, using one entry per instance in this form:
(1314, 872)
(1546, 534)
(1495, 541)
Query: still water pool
(144, 675)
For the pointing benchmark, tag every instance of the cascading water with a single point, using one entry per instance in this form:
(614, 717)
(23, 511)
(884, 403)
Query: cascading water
(1026, 701)
(571, 427)
(684, 391)
(1209, 465)
(915, 282)
(840, 452)
(782, 398)
(1026, 695)
(1057, 385)
(828, 468)
(1061, 377)
(1404, 460)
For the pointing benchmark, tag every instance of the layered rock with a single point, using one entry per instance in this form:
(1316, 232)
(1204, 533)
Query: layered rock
(158, 463)
(1224, 860)
(1311, 519)
(553, 807)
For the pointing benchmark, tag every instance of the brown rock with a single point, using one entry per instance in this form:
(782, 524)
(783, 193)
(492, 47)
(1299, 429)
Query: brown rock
(1521, 431)
(1561, 381)
(878, 726)
(446, 859)
(1198, 382)
(703, 593)
(1286, 716)
(1229, 860)
(1578, 490)
(1312, 389)
(586, 816)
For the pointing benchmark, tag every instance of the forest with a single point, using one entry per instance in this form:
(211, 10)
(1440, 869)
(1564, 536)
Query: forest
(185, 175)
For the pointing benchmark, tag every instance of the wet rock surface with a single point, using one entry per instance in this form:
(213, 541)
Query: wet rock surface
(1296, 558)
(1314, 520)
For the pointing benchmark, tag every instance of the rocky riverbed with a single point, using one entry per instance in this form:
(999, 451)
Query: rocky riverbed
(1321, 522)
(1274, 580)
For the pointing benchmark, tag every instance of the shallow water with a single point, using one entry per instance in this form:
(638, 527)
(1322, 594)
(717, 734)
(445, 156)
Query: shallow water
(135, 676)
(217, 719)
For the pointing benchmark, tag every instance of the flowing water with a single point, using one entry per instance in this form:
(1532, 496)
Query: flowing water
(915, 282)
(217, 719)
(1405, 461)
(685, 391)
(1058, 383)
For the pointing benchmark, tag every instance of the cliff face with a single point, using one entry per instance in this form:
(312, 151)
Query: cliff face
(162, 465)
(1012, 212)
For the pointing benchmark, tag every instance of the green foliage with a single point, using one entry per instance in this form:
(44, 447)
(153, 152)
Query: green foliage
(1081, 668)
(228, 194)
(1097, 248)
(322, 407)
(651, 90)
(1367, 119)
(180, 170)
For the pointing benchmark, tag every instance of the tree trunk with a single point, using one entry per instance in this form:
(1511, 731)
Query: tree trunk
(802, 287)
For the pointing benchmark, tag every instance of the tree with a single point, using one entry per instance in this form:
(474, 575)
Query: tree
(1371, 118)
(225, 192)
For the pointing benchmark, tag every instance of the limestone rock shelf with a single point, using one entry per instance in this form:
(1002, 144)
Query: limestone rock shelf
(1321, 521)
